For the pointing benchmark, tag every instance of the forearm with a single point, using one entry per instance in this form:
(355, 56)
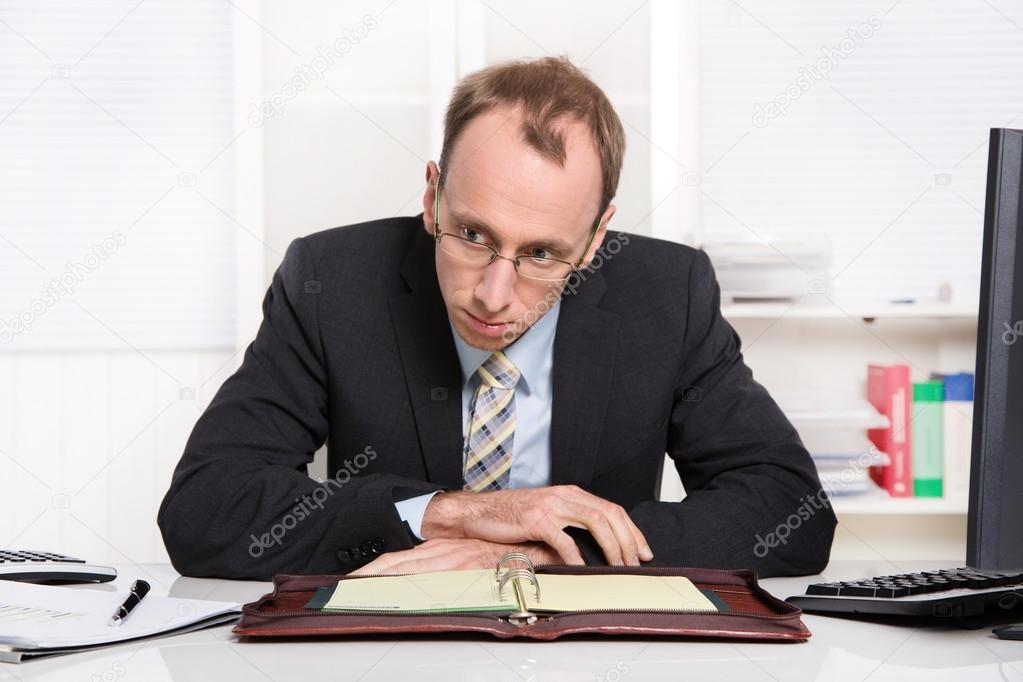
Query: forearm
(271, 519)
(765, 519)
(444, 516)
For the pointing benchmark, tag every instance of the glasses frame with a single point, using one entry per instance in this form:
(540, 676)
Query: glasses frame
(438, 234)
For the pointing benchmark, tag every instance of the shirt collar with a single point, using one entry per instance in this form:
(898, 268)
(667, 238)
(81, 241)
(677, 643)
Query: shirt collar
(527, 352)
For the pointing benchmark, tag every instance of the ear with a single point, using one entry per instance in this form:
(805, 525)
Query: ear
(598, 238)
(430, 196)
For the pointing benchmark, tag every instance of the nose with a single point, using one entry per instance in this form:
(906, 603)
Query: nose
(496, 290)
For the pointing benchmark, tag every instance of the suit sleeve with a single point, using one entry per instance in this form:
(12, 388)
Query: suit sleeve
(754, 499)
(241, 504)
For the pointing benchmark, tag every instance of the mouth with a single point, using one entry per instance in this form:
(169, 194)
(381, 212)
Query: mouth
(491, 328)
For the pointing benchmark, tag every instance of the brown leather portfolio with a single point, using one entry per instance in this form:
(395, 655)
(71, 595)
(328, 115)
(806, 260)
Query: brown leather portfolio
(744, 611)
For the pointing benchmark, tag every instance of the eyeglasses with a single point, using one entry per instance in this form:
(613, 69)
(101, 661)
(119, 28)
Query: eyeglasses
(465, 247)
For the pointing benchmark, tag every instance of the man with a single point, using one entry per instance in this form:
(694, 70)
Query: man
(498, 373)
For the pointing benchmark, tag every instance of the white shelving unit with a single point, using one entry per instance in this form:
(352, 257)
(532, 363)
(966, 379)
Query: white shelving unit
(829, 310)
(827, 346)
(871, 506)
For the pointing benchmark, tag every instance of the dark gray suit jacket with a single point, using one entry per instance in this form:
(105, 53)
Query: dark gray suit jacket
(355, 350)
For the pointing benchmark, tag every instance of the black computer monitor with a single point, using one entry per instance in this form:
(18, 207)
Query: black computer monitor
(994, 535)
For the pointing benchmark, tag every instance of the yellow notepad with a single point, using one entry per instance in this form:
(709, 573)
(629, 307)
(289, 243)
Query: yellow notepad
(477, 590)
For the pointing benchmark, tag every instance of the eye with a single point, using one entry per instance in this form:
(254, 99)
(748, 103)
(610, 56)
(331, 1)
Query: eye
(539, 252)
(472, 234)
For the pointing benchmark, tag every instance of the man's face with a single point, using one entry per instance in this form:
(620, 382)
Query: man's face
(501, 191)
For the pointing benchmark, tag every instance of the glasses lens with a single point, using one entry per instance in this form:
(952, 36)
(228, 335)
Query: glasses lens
(465, 250)
(543, 269)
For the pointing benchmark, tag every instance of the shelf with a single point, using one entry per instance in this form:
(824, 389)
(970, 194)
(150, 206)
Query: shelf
(864, 506)
(829, 311)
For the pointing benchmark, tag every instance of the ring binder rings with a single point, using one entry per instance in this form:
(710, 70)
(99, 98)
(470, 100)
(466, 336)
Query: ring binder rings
(523, 616)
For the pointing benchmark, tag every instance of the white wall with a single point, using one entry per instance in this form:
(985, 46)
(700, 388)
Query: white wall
(89, 443)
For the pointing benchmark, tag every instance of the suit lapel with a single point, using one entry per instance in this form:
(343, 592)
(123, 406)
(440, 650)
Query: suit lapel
(584, 358)
(433, 375)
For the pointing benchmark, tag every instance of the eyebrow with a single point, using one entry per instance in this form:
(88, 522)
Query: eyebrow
(555, 243)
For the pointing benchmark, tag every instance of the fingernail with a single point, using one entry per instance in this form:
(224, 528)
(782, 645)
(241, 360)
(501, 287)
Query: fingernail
(647, 554)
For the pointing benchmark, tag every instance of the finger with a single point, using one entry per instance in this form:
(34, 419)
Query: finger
(593, 520)
(560, 541)
(619, 525)
(419, 565)
(621, 521)
(375, 567)
(618, 520)
(386, 563)
(643, 547)
(446, 561)
(577, 508)
(645, 553)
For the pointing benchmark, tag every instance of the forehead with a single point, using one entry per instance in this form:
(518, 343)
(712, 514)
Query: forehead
(496, 175)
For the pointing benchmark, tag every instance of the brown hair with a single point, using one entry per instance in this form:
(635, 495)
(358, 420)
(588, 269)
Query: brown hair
(546, 89)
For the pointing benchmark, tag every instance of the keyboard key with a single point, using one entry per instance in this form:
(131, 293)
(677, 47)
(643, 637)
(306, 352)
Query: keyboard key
(824, 589)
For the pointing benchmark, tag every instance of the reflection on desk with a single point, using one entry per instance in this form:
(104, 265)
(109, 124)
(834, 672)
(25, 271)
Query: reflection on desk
(839, 650)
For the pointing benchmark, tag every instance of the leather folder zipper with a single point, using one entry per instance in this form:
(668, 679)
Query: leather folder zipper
(491, 615)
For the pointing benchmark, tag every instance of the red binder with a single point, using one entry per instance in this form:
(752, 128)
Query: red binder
(890, 391)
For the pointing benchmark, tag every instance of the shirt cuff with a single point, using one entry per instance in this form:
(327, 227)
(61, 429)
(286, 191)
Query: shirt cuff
(412, 511)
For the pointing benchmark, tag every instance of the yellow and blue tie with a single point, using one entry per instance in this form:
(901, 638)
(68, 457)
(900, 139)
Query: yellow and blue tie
(488, 443)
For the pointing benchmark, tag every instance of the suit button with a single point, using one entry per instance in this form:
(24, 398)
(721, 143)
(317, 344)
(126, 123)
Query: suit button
(366, 548)
(344, 555)
(378, 545)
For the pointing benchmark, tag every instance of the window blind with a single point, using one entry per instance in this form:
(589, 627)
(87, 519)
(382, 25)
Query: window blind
(862, 124)
(116, 184)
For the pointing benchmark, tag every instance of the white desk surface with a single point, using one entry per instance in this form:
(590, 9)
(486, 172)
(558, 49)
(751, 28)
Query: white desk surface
(839, 650)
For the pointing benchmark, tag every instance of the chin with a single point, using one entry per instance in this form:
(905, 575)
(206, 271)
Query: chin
(484, 343)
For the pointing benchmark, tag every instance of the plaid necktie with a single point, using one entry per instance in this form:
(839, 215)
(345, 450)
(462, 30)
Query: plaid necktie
(488, 444)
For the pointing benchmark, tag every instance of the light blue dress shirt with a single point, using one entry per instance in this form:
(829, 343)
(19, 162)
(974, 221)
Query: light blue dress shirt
(533, 354)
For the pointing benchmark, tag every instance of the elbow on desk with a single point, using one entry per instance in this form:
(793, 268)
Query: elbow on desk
(794, 547)
(185, 545)
(194, 549)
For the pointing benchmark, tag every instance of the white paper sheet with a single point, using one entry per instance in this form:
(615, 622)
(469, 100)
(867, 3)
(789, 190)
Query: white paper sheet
(44, 617)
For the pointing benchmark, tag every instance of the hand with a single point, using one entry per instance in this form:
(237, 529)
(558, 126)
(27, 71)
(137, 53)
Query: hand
(452, 555)
(538, 514)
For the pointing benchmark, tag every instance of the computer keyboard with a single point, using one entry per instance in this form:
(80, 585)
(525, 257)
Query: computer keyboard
(47, 567)
(946, 593)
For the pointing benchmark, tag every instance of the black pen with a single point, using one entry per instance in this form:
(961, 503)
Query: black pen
(139, 589)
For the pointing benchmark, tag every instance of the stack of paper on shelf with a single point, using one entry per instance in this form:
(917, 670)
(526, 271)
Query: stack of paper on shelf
(834, 431)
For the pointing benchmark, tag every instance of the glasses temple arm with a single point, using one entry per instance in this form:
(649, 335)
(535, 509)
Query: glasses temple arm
(436, 207)
(589, 242)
